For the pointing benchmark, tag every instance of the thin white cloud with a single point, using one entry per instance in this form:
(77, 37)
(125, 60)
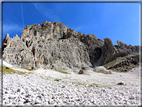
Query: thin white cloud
(49, 13)
(77, 28)
(10, 28)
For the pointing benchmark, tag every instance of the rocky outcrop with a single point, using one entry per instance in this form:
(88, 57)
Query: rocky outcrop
(108, 52)
(124, 49)
(46, 54)
(92, 43)
(45, 46)
(17, 53)
(55, 46)
(124, 64)
(6, 41)
(111, 52)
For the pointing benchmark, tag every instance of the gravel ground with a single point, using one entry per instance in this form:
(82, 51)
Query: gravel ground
(48, 87)
(37, 90)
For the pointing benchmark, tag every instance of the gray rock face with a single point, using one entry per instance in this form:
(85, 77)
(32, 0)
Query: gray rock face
(92, 43)
(44, 46)
(55, 46)
(108, 52)
(124, 49)
(17, 53)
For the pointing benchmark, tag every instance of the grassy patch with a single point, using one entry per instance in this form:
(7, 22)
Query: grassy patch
(112, 62)
(62, 71)
(57, 79)
(93, 84)
(88, 85)
(30, 69)
(79, 83)
(7, 70)
(101, 71)
(104, 71)
(136, 85)
(109, 64)
(132, 54)
(99, 85)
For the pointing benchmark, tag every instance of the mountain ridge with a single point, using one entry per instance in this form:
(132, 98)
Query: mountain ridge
(53, 45)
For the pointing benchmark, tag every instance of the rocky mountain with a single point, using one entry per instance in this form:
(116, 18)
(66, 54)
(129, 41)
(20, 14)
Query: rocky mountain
(53, 45)
(111, 52)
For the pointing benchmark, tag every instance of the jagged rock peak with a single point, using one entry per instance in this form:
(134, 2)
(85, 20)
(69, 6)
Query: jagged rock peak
(16, 37)
(6, 40)
(121, 44)
(7, 35)
(46, 30)
(52, 31)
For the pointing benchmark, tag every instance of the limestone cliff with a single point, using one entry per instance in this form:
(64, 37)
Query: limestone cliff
(55, 46)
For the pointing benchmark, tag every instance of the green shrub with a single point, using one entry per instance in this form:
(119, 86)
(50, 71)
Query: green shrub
(7, 67)
(30, 69)
(57, 79)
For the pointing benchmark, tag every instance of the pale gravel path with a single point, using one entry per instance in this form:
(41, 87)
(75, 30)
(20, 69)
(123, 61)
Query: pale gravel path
(40, 88)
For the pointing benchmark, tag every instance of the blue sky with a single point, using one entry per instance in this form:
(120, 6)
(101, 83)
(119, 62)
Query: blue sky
(117, 21)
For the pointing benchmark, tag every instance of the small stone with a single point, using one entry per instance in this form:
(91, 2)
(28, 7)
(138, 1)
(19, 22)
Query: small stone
(120, 83)
(81, 72)
(131, 97)
(63, 86)
(26, 101)
(18, 90)
(42, 94)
